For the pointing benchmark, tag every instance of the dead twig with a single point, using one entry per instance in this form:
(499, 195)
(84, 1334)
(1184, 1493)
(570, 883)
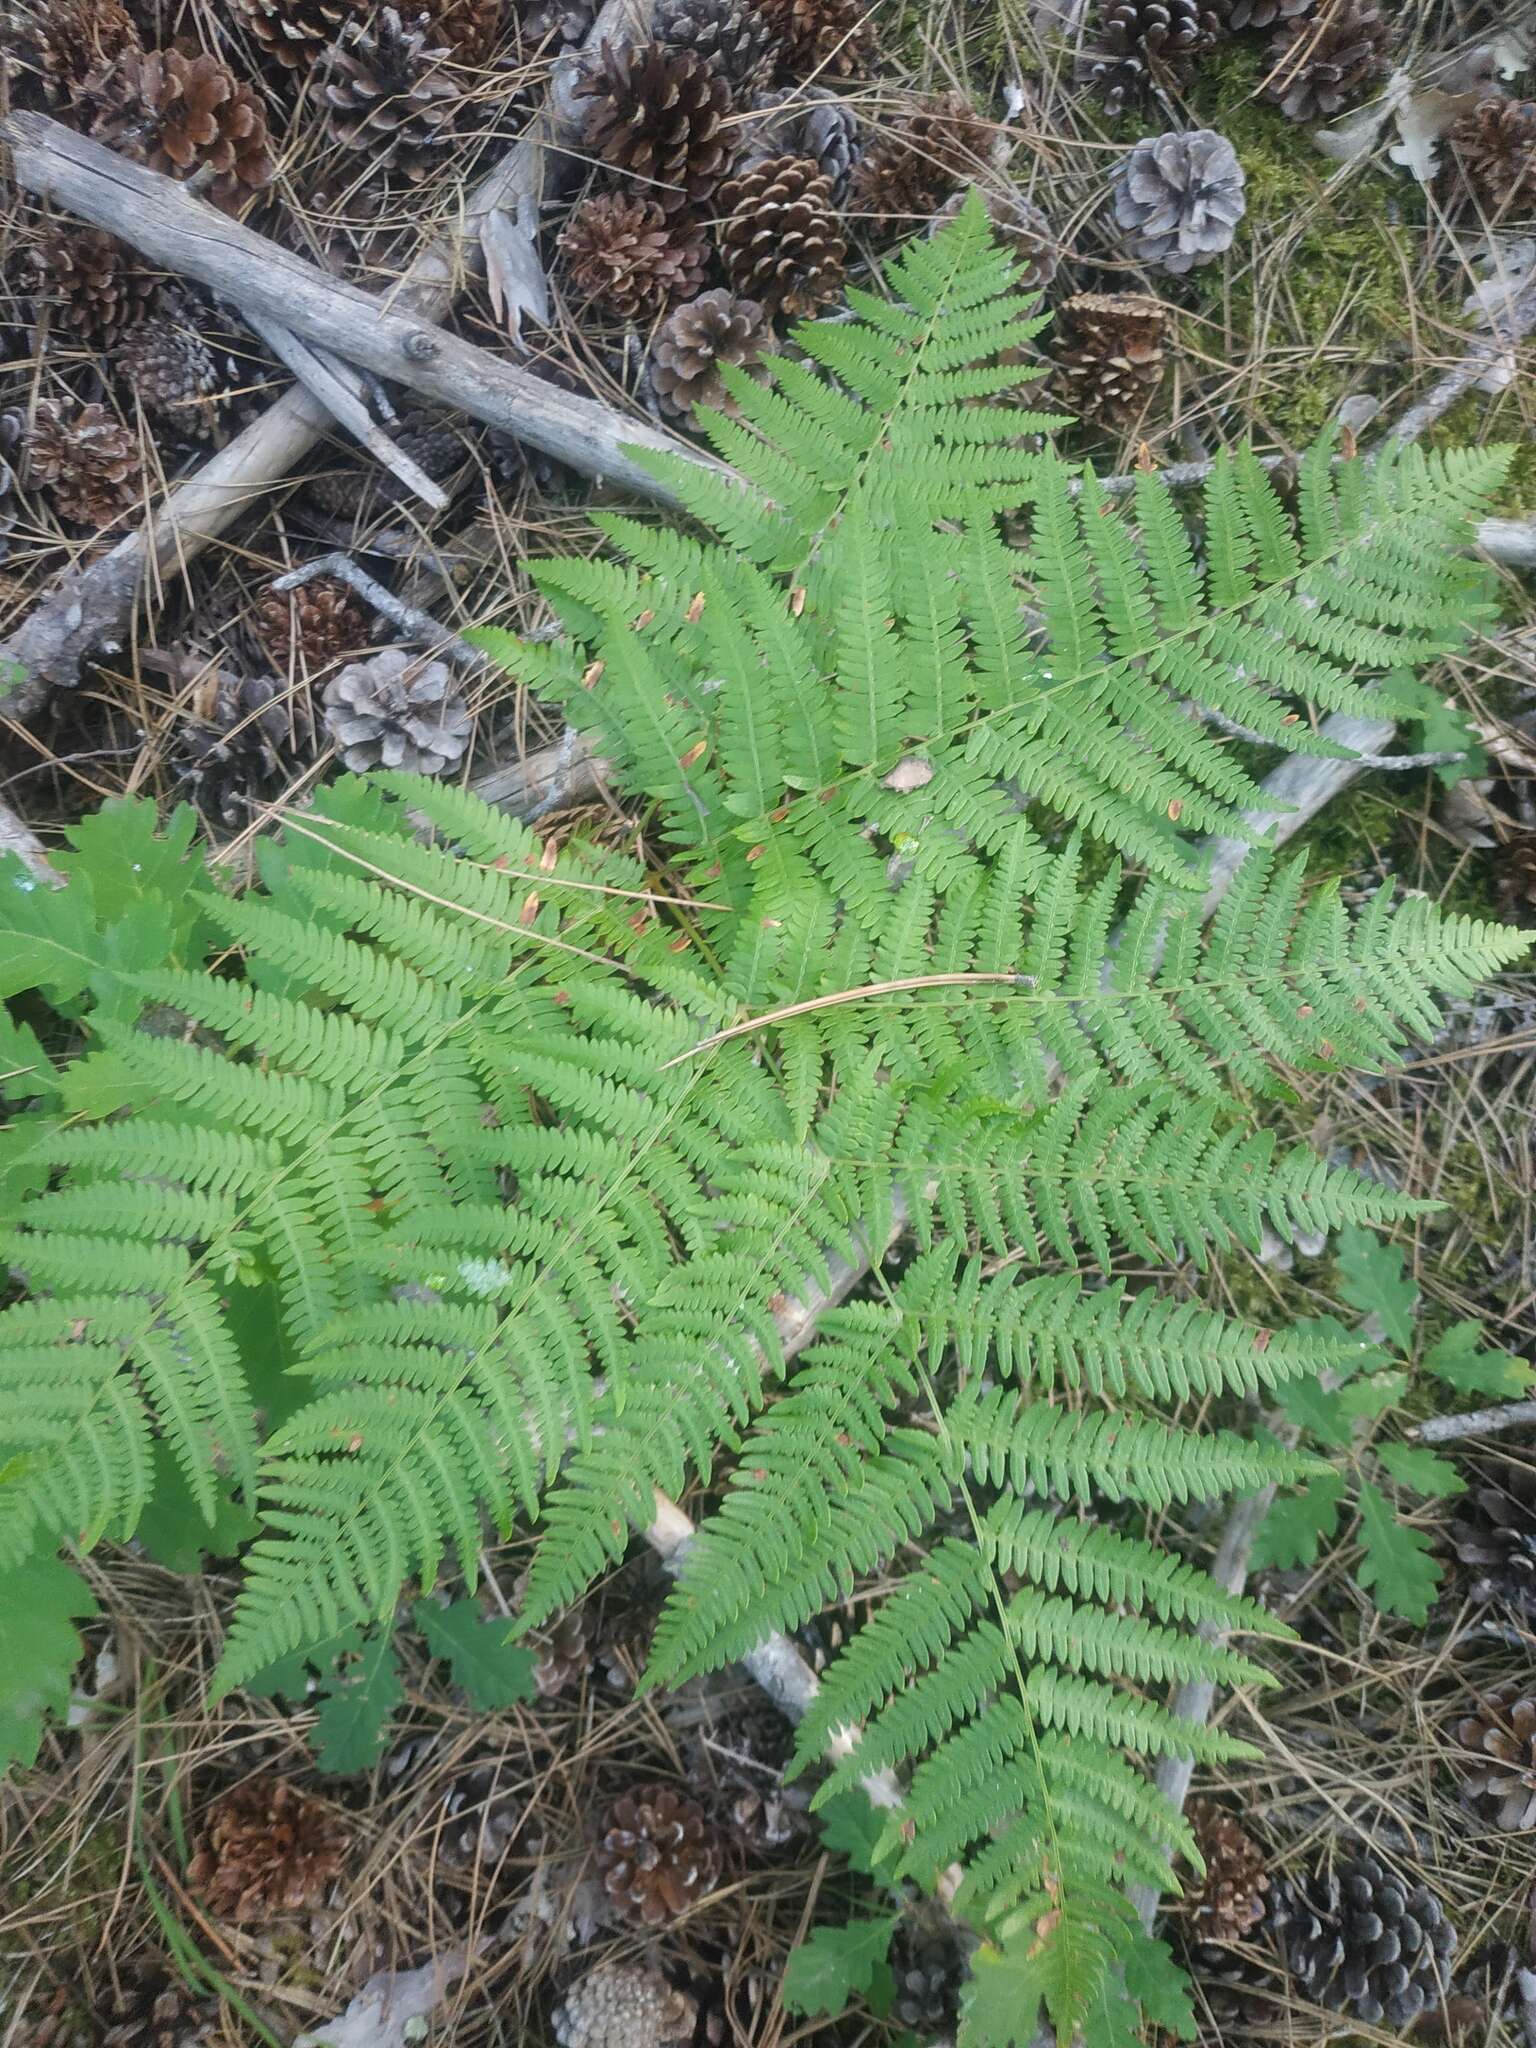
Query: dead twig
(1446, 1429)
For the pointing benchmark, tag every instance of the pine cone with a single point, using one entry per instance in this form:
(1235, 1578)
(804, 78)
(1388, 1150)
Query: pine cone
(1264, 13)
(659, 1855)
(690, 347)
(907, 173)
(266, 1848)
(625, 255)
(91, 285)
(170, 369)
(1020, 226)
(559, 22)
(1326, 62)
(1502, 1735)
(929, 1967)
(1493, 154)
(155, 2008)
(387, 93)
(1357, 1939)
(354, 493)
(482, 1818)
(660, 116)
(1180, 197)
(1229, 1900)
(182, 114)
(70, 42)
(296, 31)
(1240, 1986)
(86, 461)
(804, 121)
(470, 28)
(622, 2005)
(1495, 1530)
(780, 239)
(827, 38)
(311, 625)
(396, 710)
(12, 429)
(730, 34)
(1109, 355)
(1140, 43)
(563, 1652)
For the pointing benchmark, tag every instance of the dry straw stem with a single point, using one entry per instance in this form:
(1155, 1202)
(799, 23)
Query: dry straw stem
(92, 607)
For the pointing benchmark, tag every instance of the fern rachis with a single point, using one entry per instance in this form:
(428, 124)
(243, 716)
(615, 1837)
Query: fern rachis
(517, 1158)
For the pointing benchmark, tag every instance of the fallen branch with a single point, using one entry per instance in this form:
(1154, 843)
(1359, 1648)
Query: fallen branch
(1445, 1429)
(176, 229)
(90, 609)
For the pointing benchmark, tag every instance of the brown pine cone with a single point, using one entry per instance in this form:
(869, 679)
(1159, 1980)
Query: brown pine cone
(780, 238)
(730, 34)
(623, 2005)
(310, 626)
(470, 28)
(908, 172)
(91, 285)
(296, 31)
(154, 2007)
(1264, 13)
(1326, 62)
(659, 1855)
(482, 1817)
(1109, 355)
(562, 1652)
(387, 93)
(1502, 1735)
(266, 1848)
(1495, 1527)
(804, 121)
(692, 344)
(354, 494)
(1228, 1901)
(1492, 155)
(171, 371)
(553, 22)
(830, 38)
(1138, 44)
(660, 115)
(625, 255)
(86, 461)
(181, 114)
(67, 43)
(1020, 226)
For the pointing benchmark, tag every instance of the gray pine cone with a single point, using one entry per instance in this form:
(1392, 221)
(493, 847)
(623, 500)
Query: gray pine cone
(805, 120)
(1358, 1939)
(1180, 196)
(397, 710)
(730, 34)
(621, 2005)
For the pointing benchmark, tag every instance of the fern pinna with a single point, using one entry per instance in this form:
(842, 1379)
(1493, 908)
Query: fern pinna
(475, 1173)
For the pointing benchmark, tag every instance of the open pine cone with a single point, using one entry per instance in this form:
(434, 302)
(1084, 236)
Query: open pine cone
(908, 172)
(1320, 64)
(171, 371)
(1180, 197)
(482, 1817)
(469, 28)
(154, 2007)
(659, 115)
(623, 2005)
(266, 1848)
(804, 121)
(562, 1652)
(659, 1855)
(387, 93)
(182, 114)
(824, 38)
(91, 284)
(1109, 355)
(296, 31)
(730, 34)
(86, 461)
(1358, 1939)
(696, 340)
(1264, 13)
(552, 23)
(353, 493)
(67, 43)
(1229, 1900)
(780, 238)
(1136, 44)
(1495, 1527)
(1502, 1736)
(1021, 226)
(398, 710)
(311, 625)
(1492, 155)
(625, 255)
